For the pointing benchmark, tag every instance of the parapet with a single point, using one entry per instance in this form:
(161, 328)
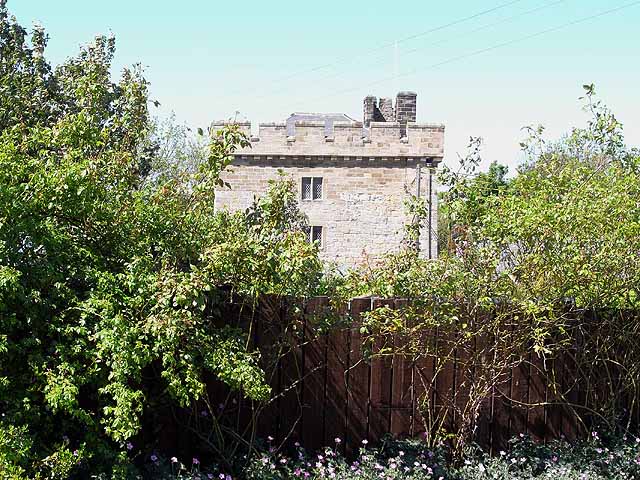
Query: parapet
(305, 138)
(386, 131)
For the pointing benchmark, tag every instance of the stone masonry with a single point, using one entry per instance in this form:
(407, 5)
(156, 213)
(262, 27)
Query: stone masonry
(367, 170)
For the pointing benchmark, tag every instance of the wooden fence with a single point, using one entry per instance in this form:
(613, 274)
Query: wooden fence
(324, 390)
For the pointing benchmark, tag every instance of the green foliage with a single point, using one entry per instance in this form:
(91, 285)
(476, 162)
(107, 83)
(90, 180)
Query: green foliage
(14, 450)
(111, 279)
(524, 460)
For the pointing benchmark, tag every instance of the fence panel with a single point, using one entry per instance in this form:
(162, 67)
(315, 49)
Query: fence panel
(324, 387)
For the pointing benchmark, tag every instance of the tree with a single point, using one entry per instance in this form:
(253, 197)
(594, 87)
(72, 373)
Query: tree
(469, 188)
(110, 284)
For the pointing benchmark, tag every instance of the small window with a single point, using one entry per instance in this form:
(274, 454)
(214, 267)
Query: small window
(317, 188)
(311, 188)
(306, 188)
(314, 234)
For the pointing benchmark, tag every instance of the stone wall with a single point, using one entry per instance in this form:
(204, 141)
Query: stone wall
(362, 210)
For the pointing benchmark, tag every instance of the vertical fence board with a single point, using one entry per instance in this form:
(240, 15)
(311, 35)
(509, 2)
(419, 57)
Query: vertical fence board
(463, 379)
(570, 391)
(445, 381)
(313, 390)
(502, 410)
(291, 373)
(358, 377)
(485, 415)
(336, 400)
(266, 332)
(520, 398)
(381, 378)
(401, 391)
(537, 419)
(424, 384)
(555, 412)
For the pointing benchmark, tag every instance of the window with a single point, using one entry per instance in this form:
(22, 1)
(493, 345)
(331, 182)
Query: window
(311, 188)
(314, 234)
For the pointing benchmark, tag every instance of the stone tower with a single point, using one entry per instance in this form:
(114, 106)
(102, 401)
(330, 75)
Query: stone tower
(352, 177)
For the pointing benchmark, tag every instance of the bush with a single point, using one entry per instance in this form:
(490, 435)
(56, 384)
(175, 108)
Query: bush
(525, 459)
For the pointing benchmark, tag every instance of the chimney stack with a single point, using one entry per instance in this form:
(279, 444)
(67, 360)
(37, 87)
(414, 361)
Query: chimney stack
(369, 109)
(384, 111)
(406, 107)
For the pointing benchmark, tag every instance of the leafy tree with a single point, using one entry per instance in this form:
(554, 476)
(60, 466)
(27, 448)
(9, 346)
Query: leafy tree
(466, 187)
(110, 284)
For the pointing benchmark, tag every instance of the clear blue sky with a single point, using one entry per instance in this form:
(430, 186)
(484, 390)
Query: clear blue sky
(206, 59)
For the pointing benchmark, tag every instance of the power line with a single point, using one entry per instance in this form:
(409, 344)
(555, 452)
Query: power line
(488, 49)
(445, 41)
(346, 59)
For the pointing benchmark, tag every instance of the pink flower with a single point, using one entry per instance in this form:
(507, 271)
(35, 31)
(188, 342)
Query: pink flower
(174, 460)
(195, 461)
(337, 440)
(129, 446)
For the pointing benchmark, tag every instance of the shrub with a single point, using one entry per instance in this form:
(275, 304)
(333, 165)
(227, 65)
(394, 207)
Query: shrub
(592, 460)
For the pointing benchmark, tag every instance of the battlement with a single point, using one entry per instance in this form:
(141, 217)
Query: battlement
(387, 131)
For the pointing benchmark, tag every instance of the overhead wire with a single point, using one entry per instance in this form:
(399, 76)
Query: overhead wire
(487, 49)
(348, 59)
(380, 59)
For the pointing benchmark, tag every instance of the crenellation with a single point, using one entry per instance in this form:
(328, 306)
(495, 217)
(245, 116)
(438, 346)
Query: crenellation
(382, 138)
